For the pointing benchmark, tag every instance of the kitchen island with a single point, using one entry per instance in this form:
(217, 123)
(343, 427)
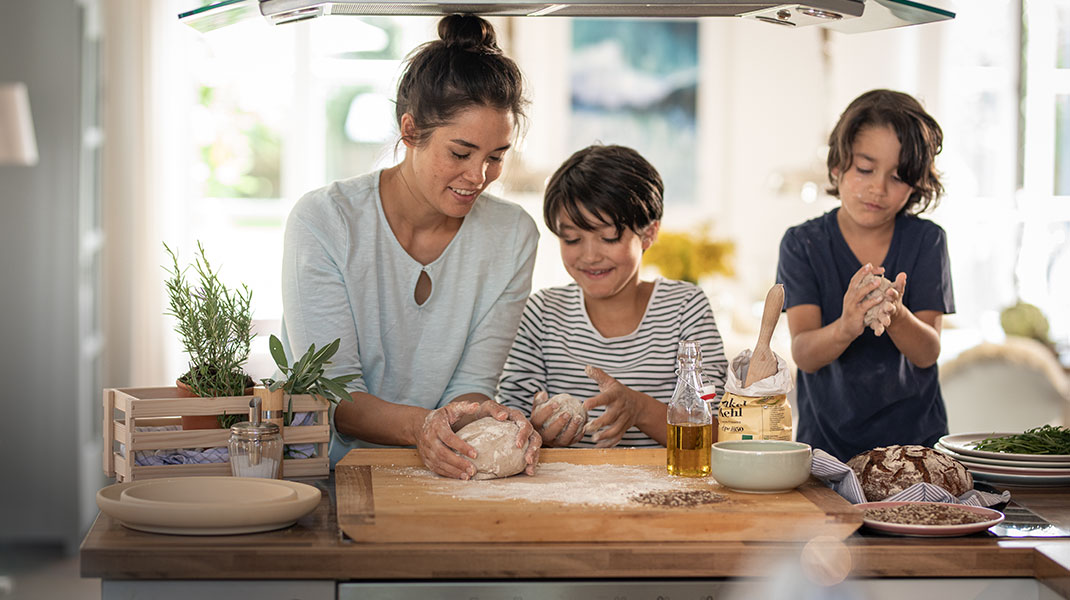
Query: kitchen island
(313, 559)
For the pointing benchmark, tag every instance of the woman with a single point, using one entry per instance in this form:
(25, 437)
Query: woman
(421, 274)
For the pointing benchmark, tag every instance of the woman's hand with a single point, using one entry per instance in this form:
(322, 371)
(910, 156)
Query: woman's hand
(560, 432)
(440, 448)
(443, 451)
(623, 408)
(526, 435)
(852, 323)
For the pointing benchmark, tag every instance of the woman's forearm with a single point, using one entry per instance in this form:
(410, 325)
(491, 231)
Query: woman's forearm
(375, 420)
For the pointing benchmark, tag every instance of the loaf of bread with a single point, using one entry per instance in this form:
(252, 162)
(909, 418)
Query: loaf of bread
(888, 470)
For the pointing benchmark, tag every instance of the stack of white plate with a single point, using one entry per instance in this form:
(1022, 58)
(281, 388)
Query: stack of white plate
(1006, 467)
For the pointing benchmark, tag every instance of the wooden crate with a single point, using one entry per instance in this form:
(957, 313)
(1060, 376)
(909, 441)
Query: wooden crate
(128, 408)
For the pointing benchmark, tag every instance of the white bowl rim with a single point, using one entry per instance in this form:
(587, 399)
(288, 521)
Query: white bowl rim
(786, 446)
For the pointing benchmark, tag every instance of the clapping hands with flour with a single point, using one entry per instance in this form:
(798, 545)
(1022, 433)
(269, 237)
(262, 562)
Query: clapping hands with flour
(872, 300)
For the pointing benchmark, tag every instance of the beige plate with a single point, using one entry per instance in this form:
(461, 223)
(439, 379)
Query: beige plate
(176, 493)
(207, 505)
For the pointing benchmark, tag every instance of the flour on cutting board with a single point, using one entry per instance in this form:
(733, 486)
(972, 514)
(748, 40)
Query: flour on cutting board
(564, 483)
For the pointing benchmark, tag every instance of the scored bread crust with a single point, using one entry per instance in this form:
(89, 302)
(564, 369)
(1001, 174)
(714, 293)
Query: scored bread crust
(888, 470)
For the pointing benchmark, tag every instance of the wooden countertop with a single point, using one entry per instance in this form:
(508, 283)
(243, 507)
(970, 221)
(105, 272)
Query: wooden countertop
(313, 548)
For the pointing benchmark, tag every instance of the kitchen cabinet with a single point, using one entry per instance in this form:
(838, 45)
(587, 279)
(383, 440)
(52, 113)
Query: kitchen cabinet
(313, 558)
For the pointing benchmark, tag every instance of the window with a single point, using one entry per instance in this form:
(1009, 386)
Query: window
(1006, 84)
(1044, 202)
(270, 113)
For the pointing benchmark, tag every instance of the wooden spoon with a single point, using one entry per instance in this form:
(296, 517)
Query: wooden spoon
(762, 360)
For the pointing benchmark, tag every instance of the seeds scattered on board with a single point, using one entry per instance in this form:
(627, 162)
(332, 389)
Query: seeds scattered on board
(678, 498)
(924, 514)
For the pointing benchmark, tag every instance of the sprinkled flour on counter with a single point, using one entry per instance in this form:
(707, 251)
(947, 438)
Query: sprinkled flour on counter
(566, 483)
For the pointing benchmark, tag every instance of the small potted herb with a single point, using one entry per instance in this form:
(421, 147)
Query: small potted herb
(305, 376)
(215, 326)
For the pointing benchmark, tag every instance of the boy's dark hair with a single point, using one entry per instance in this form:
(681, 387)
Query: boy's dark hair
(920, 138)
(464, 68)
(614, 183)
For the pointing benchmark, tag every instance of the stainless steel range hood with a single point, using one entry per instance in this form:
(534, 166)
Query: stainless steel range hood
(850, 16)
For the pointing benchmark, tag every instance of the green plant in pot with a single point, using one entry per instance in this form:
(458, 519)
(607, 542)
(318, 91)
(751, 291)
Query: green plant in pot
(307, 375)
(215, 325)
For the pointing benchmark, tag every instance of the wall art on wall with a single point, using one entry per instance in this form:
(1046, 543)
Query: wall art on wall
(634, 83)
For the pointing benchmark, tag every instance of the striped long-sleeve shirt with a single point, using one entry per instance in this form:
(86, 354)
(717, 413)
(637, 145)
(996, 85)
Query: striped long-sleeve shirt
(556, 341)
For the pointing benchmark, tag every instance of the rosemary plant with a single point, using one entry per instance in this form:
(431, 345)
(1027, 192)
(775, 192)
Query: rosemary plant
(215, 326)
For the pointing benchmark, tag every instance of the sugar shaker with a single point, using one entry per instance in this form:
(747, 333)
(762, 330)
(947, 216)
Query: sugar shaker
(255, 446)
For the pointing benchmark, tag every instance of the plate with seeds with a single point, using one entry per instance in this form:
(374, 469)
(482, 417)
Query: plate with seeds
(928, 519)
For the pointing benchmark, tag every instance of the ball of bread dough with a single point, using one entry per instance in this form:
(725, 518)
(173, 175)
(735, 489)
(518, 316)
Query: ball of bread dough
(563, 404)
(495, 445)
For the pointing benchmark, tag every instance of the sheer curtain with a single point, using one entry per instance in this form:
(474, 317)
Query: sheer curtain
(138, 187)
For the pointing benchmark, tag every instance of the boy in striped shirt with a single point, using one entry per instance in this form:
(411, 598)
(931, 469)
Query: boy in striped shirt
(609, 337)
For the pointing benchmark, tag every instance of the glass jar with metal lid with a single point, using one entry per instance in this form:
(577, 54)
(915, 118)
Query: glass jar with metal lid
(255, 446)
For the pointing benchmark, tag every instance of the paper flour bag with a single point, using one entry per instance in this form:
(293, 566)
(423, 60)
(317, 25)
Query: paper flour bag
(759, 412)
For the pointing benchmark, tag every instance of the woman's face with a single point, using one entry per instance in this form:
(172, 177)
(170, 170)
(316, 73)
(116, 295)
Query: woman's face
(602, 261)
(871, 192)
(460, 159)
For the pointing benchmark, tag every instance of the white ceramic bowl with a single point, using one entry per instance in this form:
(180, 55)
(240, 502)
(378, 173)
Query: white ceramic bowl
(761, 466)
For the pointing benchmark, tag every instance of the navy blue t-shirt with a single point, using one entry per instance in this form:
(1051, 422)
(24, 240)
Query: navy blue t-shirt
(871, 395)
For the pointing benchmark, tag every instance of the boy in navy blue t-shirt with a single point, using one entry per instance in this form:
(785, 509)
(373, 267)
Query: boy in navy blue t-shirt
(858, 390)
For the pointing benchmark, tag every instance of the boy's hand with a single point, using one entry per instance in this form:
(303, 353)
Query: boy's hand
(622, 403)
(852, 323)
(560, 432)
(895, 296)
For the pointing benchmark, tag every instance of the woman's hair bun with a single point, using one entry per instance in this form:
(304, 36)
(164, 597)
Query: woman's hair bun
(468, 32)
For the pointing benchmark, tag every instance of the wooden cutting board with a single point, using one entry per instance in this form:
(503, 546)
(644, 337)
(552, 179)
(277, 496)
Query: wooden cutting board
(387, 495)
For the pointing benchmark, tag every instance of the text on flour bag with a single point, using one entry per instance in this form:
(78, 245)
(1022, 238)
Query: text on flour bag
(690, 420)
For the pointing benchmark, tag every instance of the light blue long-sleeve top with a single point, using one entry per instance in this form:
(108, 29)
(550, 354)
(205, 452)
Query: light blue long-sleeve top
(345, 275)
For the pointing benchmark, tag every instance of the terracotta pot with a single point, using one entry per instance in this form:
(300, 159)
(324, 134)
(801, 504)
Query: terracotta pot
(190, 422)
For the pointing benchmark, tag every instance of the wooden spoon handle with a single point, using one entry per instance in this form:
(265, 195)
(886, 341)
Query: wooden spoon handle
(774, 303)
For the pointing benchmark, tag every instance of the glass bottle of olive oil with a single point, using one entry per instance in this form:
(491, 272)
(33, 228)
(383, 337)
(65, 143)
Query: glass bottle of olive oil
(690, 418)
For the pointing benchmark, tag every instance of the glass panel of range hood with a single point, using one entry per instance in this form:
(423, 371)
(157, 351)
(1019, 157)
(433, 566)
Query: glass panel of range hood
(850, 16)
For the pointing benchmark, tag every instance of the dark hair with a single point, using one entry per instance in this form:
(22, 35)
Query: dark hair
(920, 139)
(464, 68)
(615, 183)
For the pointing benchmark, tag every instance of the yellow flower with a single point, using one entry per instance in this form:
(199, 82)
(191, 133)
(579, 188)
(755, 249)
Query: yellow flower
(689, 257)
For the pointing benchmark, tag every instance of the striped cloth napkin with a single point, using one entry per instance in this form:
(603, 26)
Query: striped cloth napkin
(843, 480)
(188, 456)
